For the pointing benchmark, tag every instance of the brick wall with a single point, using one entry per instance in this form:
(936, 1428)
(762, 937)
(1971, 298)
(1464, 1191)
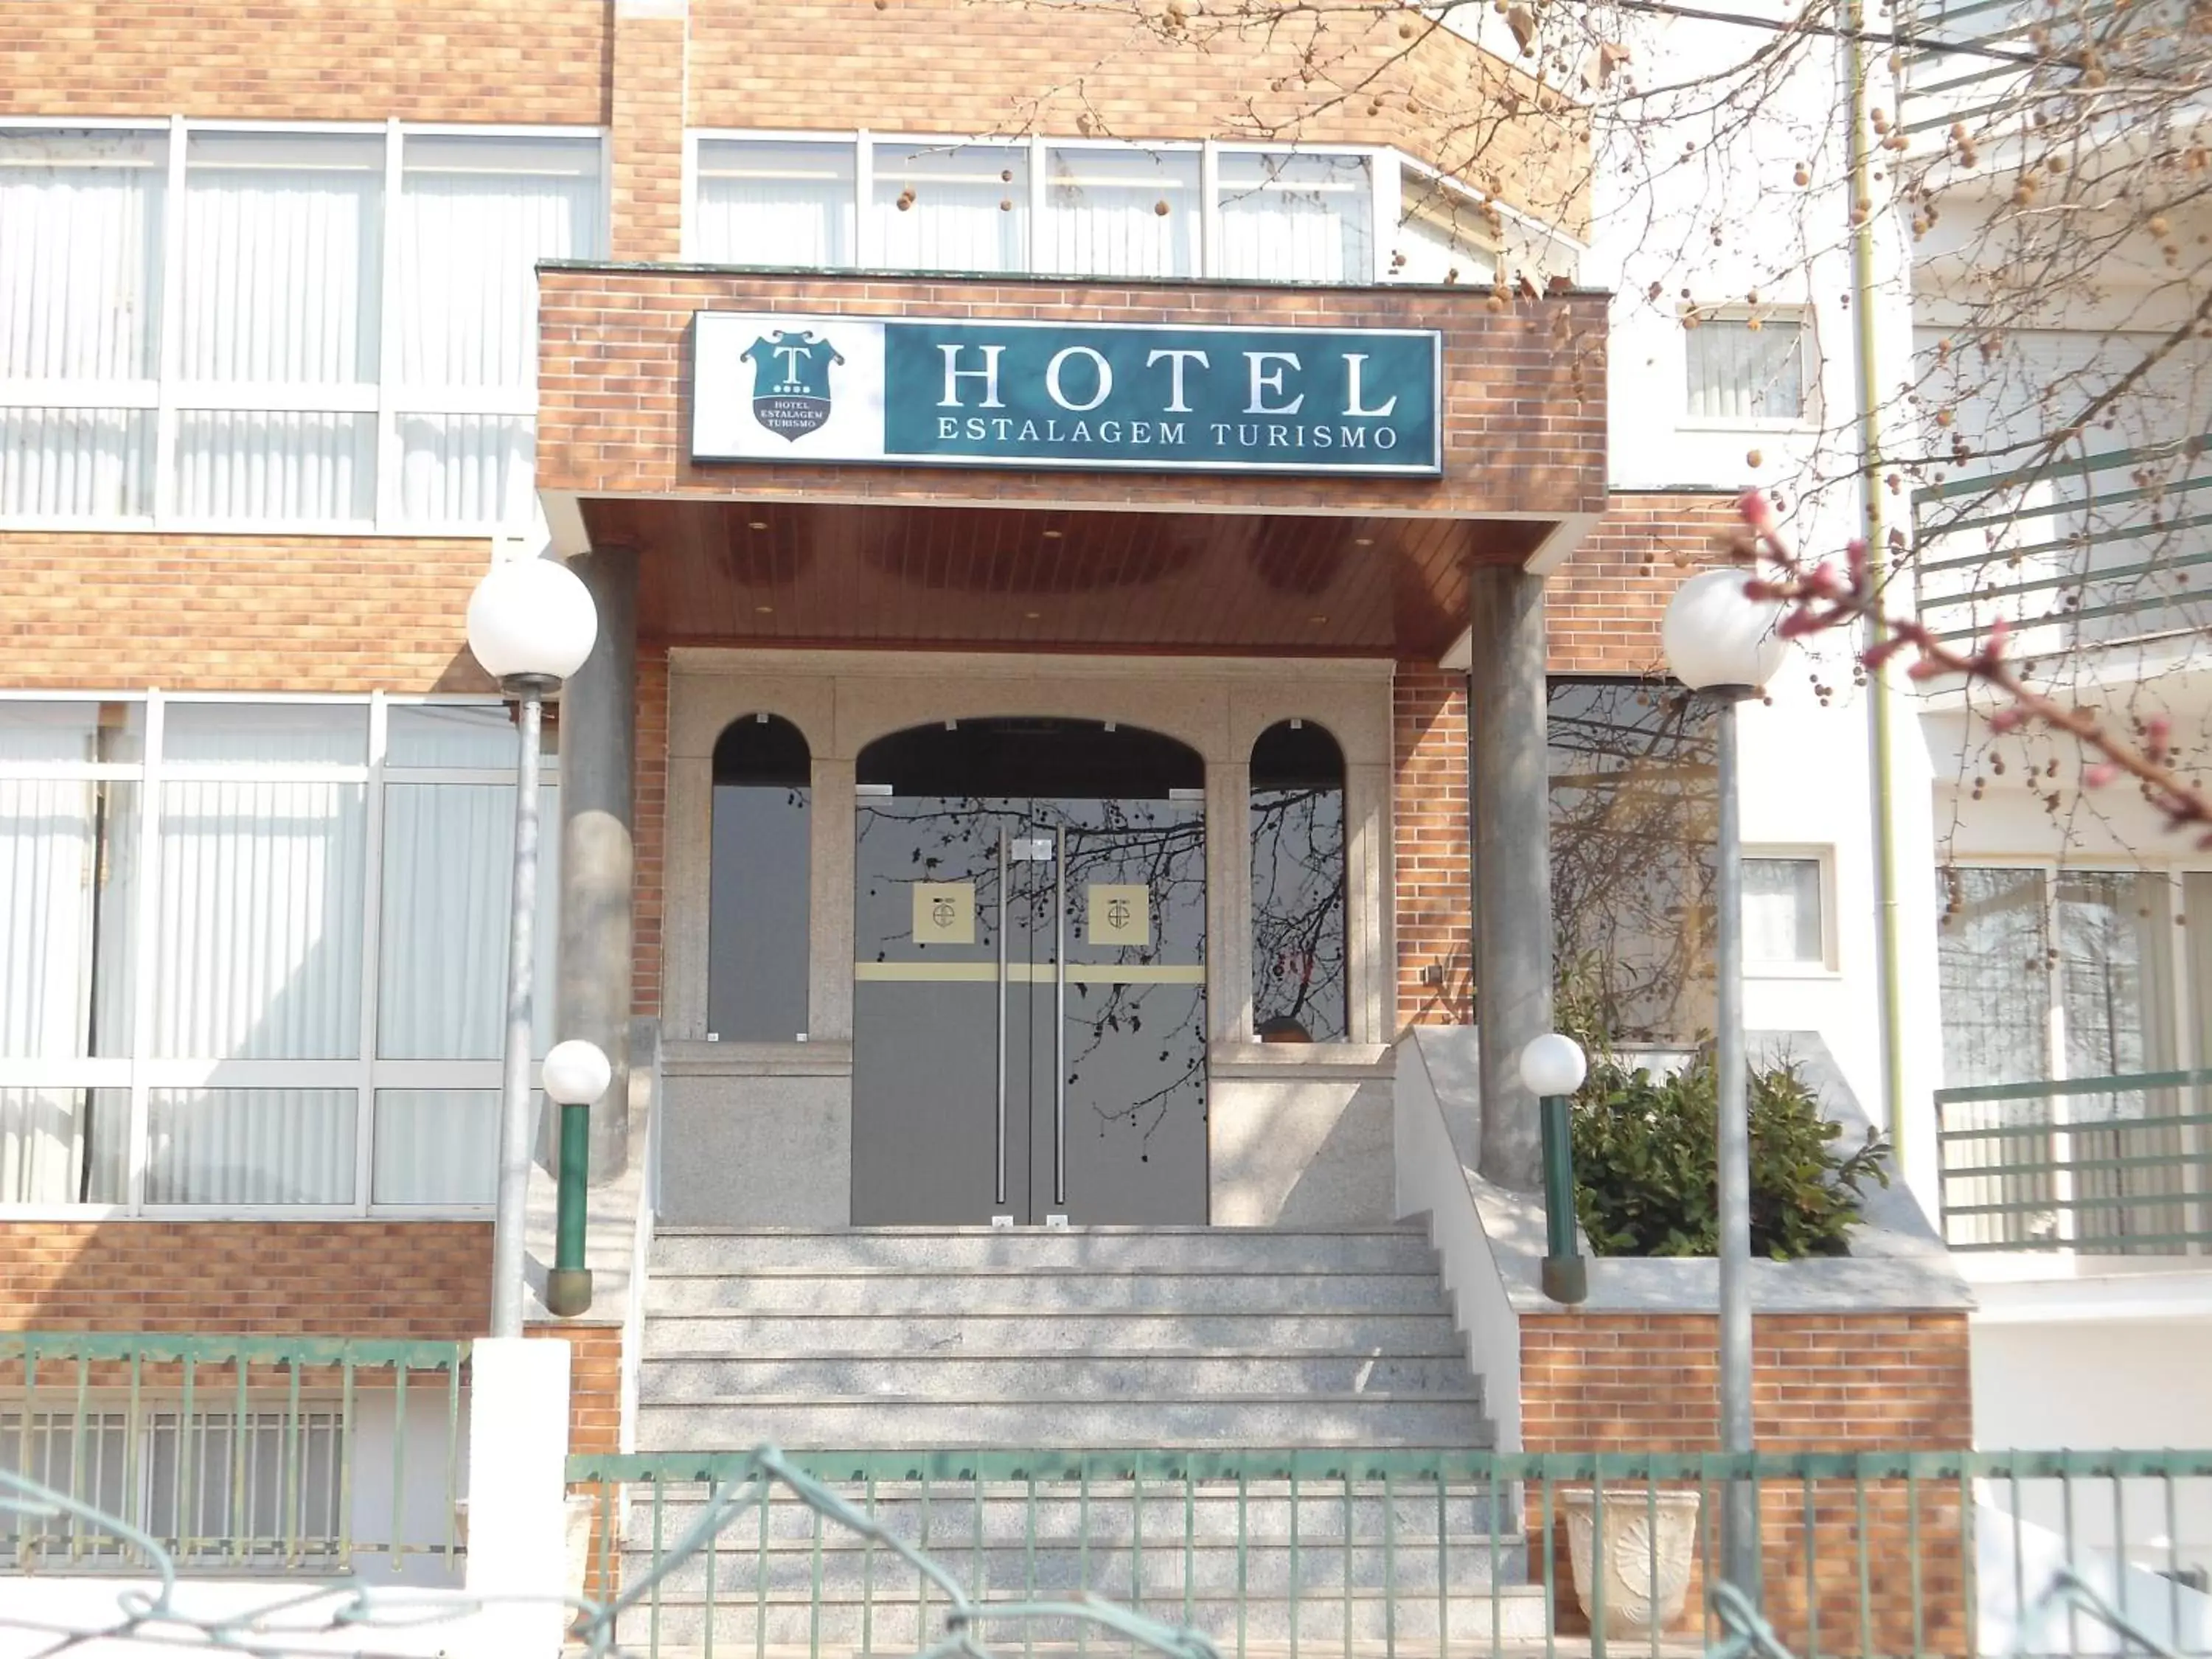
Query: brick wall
(615, 357)
(308, 60)
(645, 129)
(594, 1417)
(1603, 606)
(299, 613)
(427, 1280)
(1845, 1381)
(649, 834)
(1429, 819)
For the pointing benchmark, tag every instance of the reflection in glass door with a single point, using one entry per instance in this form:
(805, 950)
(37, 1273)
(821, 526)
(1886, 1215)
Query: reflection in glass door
(1028, 989)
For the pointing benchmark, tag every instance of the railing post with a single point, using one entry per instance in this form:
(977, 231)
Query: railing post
(517, 1534)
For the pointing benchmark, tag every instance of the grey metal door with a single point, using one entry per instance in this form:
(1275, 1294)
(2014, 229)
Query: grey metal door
(1028, 1006)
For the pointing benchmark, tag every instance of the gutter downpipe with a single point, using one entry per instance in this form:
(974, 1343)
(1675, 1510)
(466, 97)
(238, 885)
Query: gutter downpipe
(1878, 735)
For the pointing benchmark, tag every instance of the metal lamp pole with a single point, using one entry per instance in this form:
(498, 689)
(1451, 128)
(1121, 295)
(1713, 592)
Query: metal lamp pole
(1722, 645)
(531, 625)
(510, 1215)
(1740, 1522)
(1553, 1068)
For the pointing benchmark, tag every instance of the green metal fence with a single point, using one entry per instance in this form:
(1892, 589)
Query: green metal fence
(2117, 1165)
(236, 1453)
(1348, 1553)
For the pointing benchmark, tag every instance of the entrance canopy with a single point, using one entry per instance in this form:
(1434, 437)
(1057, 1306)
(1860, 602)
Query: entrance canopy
(841, 459)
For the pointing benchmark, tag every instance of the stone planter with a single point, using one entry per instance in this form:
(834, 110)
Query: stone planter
(1630, 1547)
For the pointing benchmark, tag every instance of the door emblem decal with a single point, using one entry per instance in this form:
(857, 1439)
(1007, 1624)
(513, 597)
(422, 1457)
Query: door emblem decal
(1118, 912)
(944, 913)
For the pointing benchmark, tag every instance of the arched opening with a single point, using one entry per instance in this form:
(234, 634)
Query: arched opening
(1029, 997)
(1300, 959)
(757, 915)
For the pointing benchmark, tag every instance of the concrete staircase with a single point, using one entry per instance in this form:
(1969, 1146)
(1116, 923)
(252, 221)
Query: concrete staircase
(920, 1339)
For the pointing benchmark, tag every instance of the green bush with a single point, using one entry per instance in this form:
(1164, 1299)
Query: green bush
(1645, 1164)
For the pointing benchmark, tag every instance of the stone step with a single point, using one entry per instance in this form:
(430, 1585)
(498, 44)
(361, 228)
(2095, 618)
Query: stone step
(1062, 1514)
(1114, 1249)
(721, 1424)
(1022, 1375)
(1015, 1292)
(1408, 1625)
(669, 1334)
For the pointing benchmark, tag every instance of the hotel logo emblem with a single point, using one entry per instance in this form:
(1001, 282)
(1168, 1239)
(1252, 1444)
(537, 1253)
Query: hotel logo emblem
(791, 380)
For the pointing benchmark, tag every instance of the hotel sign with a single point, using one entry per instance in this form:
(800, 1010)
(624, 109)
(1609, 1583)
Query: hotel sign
(785, 386)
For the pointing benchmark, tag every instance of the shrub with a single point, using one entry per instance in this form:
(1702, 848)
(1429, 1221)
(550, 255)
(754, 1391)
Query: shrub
(1646, 1179)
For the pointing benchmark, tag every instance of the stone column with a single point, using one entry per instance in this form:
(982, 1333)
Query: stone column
(598, 753)
(1512, 859)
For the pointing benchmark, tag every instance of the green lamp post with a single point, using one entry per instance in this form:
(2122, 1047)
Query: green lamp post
(1552, 1068)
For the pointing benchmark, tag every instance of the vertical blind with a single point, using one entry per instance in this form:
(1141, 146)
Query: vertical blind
(1739, 373)
(1297, 218)
(965, 207)
(775, 204)
(285, 247)
(278, 848)
(1122, 213)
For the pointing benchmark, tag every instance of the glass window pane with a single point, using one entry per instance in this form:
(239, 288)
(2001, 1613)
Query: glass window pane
(290, 466)
(1300, 982)
(250, 1146)
(281, 257)
(1120, 213)
(475, 215)
(1782, 910)
(109, 732)
(76, 463)
(1991, 955)
(964, 208)
(1633, 830)
(257, 954)
(775, 204)
(448, 873)
(266, 734)
(80, 254)
(64, 1145)
(1739, 372)
(457, 734)
(1297, 218)
(757, 975)
(436, 1147)
(467, 468)
(2110, 926)
(69, 857)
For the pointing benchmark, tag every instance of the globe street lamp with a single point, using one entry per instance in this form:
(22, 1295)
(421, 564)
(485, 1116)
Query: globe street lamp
(1722, 644)
(530, 626)
(576, 1073)
(1552, 1068)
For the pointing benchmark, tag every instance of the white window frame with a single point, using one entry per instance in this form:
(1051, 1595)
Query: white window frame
(1809, 366)
(142, 1071)
(1827, 965)
(1384, 165)
(165, 395)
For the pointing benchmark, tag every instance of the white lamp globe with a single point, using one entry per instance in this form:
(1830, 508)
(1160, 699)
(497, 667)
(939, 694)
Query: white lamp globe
(576, 1073)
(1715, 634)
(1552, 1065)
(532, 618)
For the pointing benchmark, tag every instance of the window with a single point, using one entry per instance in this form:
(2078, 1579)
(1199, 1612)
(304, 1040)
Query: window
(1442, 236)
(1747, 368)
(1298, 218)
(275, 976)
(1299, 966)
(1785, 912)
(952, 207)
(756, 959)
(1120, 212)
(239, 329)
(771, 204)
(1634, 830)
(2069, 973)
(1057, 206)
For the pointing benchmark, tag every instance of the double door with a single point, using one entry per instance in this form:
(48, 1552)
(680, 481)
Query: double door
(1030, 1010)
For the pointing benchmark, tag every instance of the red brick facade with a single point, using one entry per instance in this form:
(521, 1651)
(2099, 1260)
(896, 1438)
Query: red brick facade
(1820, 1383)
